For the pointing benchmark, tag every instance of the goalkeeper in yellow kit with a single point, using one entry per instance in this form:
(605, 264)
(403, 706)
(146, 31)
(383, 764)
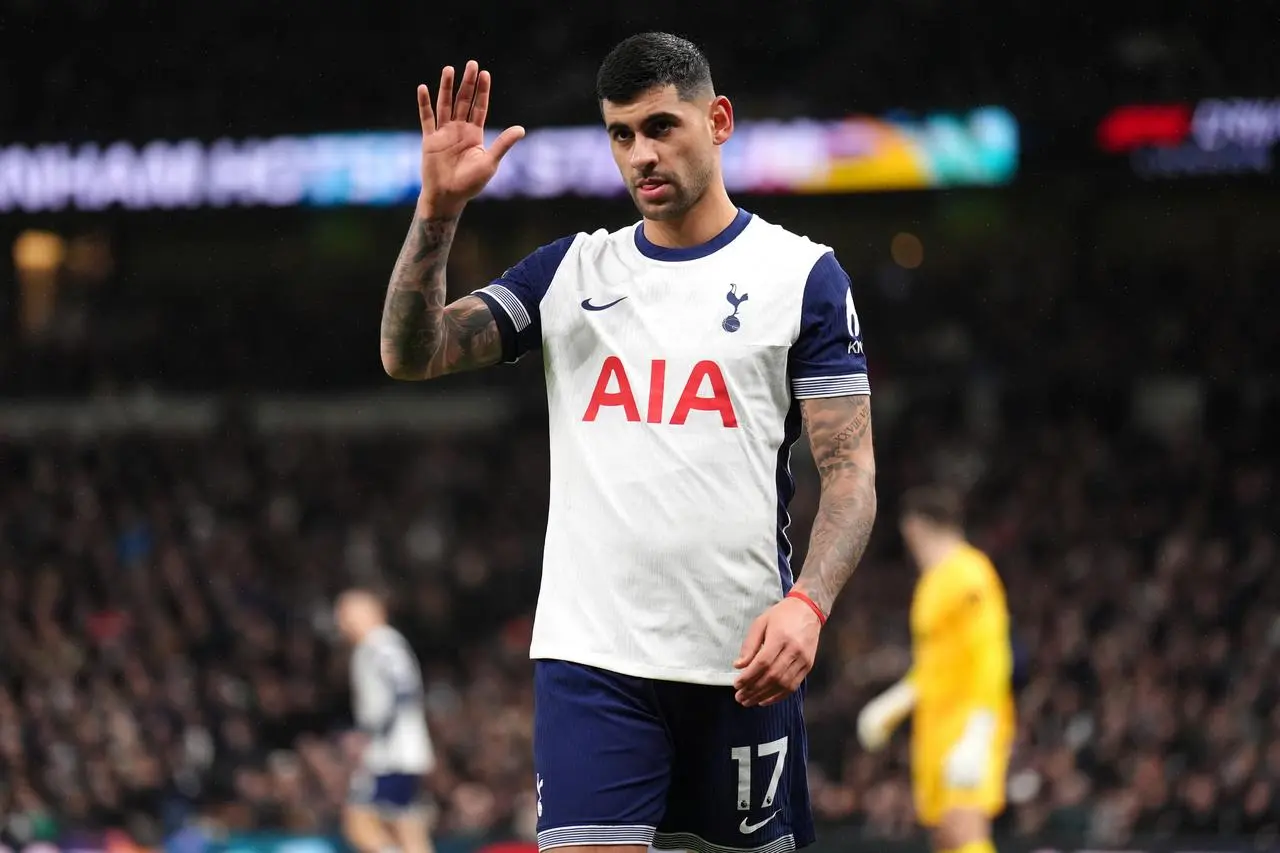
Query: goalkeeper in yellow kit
(959, 690)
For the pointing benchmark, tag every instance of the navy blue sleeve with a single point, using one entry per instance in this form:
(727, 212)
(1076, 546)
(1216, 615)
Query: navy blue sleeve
(515, 298)
(826, 359)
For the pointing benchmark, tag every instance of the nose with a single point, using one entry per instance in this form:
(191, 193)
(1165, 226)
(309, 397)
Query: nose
(644, 154)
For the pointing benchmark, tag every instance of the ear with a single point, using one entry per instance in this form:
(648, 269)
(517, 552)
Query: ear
(721, 116)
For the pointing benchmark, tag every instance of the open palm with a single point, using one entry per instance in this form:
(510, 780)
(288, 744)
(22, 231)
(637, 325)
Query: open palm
(455, 164)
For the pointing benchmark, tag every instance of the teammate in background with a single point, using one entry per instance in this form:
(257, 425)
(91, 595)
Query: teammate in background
(385, 811)
(959, 691)
(681, 353)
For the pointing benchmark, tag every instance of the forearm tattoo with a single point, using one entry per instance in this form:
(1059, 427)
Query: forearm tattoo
(840, 436)
(421, 336)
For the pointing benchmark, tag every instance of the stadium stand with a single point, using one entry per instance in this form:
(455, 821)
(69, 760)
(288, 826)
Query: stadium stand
(171, 652)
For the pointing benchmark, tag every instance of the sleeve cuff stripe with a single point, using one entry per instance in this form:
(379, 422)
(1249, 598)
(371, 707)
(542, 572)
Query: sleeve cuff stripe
(510, 303)
(831, 386)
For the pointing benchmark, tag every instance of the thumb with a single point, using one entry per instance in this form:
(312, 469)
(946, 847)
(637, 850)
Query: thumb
(752, 643)
(505, 141)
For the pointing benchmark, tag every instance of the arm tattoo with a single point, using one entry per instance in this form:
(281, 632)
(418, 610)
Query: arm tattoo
(840, 436)
(421, 336)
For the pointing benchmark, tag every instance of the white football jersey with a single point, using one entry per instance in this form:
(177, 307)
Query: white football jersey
(673, 380)
(386, 690)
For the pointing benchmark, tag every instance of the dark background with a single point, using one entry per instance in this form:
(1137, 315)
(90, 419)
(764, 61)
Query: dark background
(200, 446)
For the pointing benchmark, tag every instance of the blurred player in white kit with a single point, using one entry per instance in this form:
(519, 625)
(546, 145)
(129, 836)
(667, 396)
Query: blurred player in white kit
(386, 810)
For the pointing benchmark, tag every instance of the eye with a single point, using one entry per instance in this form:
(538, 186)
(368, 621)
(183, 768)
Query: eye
(621, 135)
(660, 128)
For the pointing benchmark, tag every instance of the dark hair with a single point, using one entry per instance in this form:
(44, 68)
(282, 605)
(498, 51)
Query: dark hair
(648, 60)
(938, 505)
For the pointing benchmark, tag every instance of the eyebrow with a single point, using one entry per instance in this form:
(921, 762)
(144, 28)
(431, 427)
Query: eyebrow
(649, 119)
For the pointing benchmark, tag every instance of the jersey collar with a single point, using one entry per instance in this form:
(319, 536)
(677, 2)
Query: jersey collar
(692, 253)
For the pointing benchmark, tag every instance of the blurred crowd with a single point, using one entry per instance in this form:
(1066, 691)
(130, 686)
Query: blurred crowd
(173, 73)
(169, 656)
(169, 652)
(1018, 314)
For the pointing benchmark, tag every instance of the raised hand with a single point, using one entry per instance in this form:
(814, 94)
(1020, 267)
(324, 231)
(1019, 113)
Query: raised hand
(455, 164)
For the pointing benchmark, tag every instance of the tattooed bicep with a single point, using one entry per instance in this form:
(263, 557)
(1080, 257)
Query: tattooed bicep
(839, 432)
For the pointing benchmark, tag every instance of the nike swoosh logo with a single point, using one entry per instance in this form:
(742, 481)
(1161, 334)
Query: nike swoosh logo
(748, 828)
(586, 303)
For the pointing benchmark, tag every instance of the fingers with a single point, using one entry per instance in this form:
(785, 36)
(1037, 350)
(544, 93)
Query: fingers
(505, 141)
(466, 91)
(471, 104)
(752, 642)
(752, 682)
(786, 681)
(444, 97)
(425, 114)
(754, 657)
(480, 107)
(776, 655)
(783, 673)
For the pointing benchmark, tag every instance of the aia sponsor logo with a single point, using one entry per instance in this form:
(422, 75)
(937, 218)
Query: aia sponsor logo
(703, 391)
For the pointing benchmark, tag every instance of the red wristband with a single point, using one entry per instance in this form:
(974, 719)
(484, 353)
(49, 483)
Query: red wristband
(797, 594)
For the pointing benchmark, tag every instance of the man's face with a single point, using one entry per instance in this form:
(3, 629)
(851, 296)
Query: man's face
(665, 148)
(342, 619)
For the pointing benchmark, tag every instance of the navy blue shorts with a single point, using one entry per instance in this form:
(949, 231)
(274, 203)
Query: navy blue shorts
(390, 794)
(623, 760)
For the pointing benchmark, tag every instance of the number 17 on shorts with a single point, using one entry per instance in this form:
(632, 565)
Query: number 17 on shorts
(743, 756)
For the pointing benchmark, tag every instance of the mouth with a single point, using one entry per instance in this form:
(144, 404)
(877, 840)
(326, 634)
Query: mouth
(651, 188)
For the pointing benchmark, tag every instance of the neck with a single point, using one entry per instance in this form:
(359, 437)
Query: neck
(712, 214)
(934, 551)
